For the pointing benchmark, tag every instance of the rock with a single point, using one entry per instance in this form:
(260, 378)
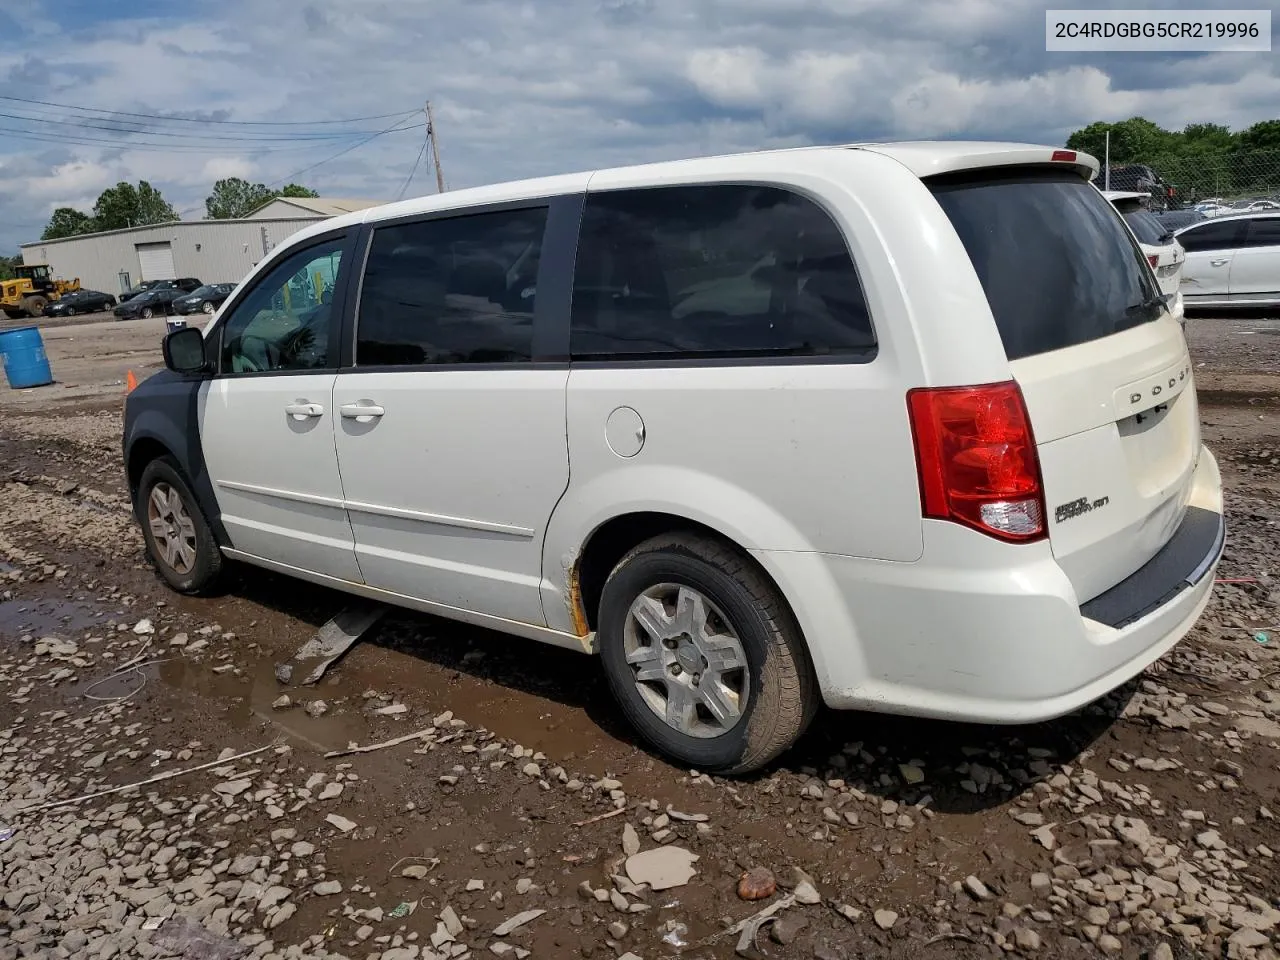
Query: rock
(911, 773)
(1044, 836)
(806, 893)
(280, 915)
(1041, 883)
(341, 823)
(519, 920)
(233, 788)
(474, 885)
(976, 888)
(1247, 939)
(618, 929)
(885, 919)
(531, 770)
(415, 872)
(630, 840)
(663, 868)
(1026, 939)
(394, 710)
(1132, 830)
(327, 888)
(787, 928)
(758, 883)
(281, 702)
(1162, 952)
(331, 791)
(95, 762)
(1109, 944)
(179, 640)
(523, 886)
(317, 708)
(143, 627)
(302, 849)
(243, 866)
(1229, 767)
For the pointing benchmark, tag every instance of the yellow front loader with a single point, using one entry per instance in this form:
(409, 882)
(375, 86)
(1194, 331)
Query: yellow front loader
(32, 290)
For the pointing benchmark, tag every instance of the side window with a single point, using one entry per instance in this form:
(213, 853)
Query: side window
(1264, 232)
(1211, 236)
(283, 324)
(454, 291)
(714, 271)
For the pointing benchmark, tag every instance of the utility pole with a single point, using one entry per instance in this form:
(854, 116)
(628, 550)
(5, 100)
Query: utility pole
(435, 149)
(1106, 165)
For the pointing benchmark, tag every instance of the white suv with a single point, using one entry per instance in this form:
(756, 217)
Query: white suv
(890, 427)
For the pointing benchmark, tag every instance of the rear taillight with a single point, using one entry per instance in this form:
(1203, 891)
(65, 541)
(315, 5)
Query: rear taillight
(1153, 259)
(977, 459)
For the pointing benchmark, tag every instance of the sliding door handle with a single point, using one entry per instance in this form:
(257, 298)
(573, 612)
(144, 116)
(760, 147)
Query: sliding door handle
(303, 410)
(354, 411)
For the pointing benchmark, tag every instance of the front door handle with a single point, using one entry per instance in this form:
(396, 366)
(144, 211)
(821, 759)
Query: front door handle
(1218, 263)
(354, 411)
(302, 410)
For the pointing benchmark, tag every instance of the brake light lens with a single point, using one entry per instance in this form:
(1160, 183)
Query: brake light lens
(1153, 259)
(977, 459)
(1063, 156)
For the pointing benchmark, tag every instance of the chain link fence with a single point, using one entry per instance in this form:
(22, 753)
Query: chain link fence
(1229, 179)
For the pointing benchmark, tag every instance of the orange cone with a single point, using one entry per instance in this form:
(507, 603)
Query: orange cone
(130, 383)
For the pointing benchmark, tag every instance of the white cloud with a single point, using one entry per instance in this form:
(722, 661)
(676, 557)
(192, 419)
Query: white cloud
(523, 88)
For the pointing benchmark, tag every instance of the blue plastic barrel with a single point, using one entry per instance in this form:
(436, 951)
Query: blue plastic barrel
(25, 363)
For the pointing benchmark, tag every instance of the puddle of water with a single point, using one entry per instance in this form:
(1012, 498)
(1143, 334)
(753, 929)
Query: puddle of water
(43, 617)
(247, 699)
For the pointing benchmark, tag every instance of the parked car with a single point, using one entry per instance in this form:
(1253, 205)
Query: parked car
(81, 301)
(1138, 178)
(183, 285)
(1232, 261)
(1176, 219)
(1157, 241)
(147, 304)
(900, 476)
(204, 299)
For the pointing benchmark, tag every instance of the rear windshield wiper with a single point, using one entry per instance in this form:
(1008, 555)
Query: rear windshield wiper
(1151, 303)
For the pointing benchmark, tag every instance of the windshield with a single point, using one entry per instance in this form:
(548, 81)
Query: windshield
(204, 292)
(1057, 266)
(1147, 228)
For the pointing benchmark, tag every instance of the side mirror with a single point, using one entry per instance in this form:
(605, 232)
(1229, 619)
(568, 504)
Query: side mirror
(184, 351)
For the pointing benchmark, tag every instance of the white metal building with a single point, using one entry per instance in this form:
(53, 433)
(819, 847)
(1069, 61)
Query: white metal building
(212, 251)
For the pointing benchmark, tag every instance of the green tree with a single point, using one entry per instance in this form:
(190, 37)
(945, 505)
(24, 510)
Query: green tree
(233, 198)
(7, 264)
(67, 222)
(1205, 138)
(125, 205)
(1261, 136)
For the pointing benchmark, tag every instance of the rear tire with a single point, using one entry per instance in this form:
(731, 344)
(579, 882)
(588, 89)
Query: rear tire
(714, 610)
(71, 311)
(180, 542)
(206, 307)
(146, 313)
(34, 305)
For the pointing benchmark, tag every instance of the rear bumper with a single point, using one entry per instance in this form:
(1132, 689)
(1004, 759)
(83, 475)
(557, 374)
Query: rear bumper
(983, 631)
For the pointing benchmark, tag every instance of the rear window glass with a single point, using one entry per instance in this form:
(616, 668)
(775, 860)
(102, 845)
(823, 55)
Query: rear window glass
(1147, 228)
(1057, 265)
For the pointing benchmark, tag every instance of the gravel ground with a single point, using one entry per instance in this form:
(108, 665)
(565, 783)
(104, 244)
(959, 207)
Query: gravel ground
(518, 818)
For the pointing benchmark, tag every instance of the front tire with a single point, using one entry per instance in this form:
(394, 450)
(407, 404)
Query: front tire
(70, 312)
(206, 307)
(703, 655)
(179, 540)
(146, 313)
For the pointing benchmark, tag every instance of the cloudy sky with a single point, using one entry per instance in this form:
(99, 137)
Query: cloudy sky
(523, 88)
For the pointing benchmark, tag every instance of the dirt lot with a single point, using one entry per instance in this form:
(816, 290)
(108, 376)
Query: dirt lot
(1141, 826)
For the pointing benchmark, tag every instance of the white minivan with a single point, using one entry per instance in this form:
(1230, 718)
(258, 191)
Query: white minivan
(888, 427)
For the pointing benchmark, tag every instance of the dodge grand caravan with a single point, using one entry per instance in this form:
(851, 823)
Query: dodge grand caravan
(890, 427)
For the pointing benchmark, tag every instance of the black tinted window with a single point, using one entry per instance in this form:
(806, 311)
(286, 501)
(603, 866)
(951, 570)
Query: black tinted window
(1057, 266)
(1147, 228)
(714, 271)
(1264, 233)
(1211, 236)
(451, 291)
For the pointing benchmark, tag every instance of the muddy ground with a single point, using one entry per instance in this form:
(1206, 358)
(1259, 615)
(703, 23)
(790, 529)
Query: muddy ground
(1140, 826)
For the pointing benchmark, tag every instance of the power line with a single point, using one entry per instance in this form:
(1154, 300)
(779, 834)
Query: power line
(409, 179)
(151, 146)
(394, 128)
(179, 119)
(82, 123)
